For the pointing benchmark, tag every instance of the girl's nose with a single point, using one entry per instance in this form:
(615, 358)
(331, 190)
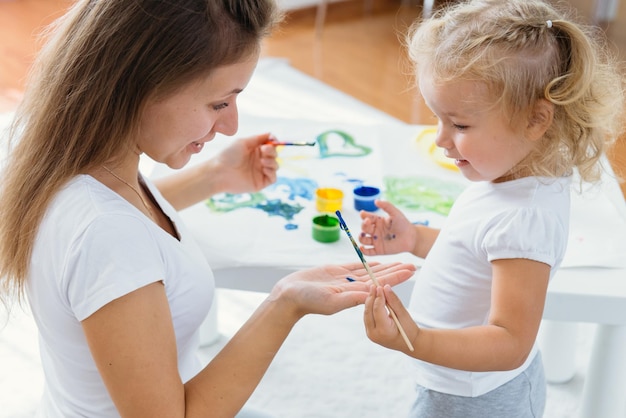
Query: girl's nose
(441, 137)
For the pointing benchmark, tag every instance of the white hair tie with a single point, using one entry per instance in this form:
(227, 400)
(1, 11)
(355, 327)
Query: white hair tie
(549, 23)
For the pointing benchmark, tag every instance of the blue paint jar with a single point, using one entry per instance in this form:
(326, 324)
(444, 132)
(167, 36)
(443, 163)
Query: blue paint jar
(364, 197)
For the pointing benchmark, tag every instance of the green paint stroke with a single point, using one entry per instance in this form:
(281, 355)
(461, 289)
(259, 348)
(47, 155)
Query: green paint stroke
(347, 146)
(227, 202)
(422, 193)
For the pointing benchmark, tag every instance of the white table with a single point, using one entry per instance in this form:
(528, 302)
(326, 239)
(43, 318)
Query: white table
(251, 251)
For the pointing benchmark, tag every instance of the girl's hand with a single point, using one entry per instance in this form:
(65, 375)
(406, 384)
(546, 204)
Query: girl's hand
(247, 165)
(332, 288)
(386, 235)
(380, 326)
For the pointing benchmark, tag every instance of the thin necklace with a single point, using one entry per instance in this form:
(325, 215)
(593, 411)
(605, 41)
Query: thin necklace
(133, 189)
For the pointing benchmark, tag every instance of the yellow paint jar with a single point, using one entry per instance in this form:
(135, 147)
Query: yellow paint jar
(328, 199)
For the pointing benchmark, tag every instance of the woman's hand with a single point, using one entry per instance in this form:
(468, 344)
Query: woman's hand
(386, 235)
(332, 288)
(246, 165)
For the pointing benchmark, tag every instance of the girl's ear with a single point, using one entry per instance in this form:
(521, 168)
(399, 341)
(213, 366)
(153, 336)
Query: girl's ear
(540, 119)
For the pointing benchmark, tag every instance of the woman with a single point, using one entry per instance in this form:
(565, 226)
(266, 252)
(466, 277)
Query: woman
(117, 286)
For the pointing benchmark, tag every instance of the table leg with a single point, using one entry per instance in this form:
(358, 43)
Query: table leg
(557, 342)
(605, 382)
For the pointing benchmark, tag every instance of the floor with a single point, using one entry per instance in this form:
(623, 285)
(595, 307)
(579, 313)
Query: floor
(326, 369)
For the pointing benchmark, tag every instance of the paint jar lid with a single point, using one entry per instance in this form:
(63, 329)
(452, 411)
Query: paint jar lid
(325, 228)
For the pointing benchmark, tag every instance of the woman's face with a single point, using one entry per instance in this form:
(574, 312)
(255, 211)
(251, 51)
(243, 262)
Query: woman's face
(176, 126)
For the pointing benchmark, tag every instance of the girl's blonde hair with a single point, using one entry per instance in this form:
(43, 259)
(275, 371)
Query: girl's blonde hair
(524, 51)
(102, 62)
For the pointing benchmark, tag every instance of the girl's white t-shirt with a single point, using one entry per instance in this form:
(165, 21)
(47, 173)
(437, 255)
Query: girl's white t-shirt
(525, 218)
(93, 247)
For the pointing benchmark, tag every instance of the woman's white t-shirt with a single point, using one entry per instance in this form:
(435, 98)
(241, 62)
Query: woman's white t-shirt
(93, 247)
(526, 218)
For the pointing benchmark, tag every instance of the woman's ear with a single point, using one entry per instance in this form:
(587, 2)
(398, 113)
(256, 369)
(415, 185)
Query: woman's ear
(540, 119)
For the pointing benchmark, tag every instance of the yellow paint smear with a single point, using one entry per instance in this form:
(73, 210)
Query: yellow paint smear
(426, 139)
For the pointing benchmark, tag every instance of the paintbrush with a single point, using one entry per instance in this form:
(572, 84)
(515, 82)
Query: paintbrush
(342, 225)
(291, 144)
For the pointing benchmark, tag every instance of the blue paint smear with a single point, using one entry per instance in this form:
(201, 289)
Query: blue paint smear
(276, 207)
(278, 199)
(294, 187)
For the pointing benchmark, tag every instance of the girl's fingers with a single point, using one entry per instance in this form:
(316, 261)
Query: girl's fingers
(367, 228)
(375, 307)
(380, 312)
(368, 311)
(388, 207)
(366, 239)
(367, 216)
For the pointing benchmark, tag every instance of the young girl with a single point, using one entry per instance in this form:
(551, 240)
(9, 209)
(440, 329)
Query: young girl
(117, 285)
(523, 97)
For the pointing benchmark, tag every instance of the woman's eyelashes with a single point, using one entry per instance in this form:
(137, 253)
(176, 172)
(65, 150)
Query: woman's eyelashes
(220, 106)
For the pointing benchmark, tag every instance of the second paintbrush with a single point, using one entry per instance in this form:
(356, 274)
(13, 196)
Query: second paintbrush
(342, 225)
(291, 144)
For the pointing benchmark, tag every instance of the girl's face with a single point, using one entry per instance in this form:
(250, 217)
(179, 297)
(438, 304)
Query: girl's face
(473, 132)
(177, 126)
